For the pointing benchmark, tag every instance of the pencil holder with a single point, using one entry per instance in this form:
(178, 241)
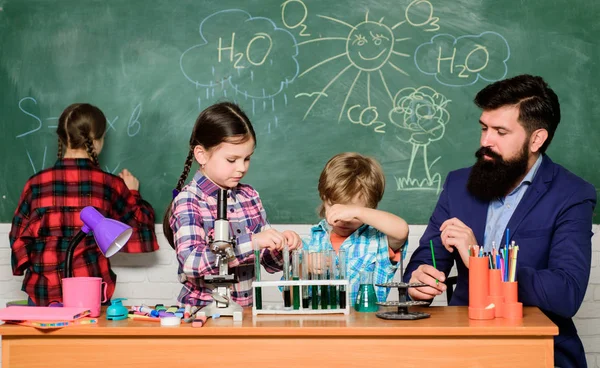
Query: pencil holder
(496, 296)
(478, 282)
(511, 309)
(496, 282)
(479, 306)
(510, 291)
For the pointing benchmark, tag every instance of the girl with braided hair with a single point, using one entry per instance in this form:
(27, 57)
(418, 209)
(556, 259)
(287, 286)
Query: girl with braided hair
(222, 143)
(47, 216)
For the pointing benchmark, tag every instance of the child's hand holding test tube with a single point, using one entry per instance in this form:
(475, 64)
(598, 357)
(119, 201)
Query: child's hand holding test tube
(274, 240)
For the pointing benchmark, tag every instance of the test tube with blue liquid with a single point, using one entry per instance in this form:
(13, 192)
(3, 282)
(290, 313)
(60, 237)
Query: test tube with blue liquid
(323, 257)
(296, 277)
(257, 291)
(332, 276)
(305, 298)
(342, 276)
(287, 294)
(314, 275)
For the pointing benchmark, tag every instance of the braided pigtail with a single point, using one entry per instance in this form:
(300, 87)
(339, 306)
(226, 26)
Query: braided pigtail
(182, 178)
(186, 169)
(59, 154)
(89, 147)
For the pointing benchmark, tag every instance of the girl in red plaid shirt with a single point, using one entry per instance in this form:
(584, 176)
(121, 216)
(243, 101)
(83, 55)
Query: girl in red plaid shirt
(222, 142)
(47, 217)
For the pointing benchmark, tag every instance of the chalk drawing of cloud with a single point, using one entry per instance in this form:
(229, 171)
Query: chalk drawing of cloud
(462, 61)
(250, 55)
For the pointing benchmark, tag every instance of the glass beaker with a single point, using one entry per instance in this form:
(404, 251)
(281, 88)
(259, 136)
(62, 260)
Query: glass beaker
(366, 300)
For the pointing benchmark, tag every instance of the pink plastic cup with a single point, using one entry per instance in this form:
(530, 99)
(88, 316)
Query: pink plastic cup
(84, 292)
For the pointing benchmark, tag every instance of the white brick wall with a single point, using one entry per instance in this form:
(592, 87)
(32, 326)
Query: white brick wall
(151, 279)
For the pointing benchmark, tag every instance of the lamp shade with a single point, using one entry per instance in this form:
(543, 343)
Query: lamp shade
(110, 235)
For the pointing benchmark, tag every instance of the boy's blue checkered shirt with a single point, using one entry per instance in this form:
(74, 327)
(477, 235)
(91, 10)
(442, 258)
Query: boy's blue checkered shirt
(366, 249)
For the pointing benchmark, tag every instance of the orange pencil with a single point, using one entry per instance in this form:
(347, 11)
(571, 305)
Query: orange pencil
(136, 317)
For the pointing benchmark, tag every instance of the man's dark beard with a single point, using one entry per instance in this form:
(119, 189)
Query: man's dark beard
(492, 179)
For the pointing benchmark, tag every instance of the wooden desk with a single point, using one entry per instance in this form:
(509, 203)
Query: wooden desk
(447, 339)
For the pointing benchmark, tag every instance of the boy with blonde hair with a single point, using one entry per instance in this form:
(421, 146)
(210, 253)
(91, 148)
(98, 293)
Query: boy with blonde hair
(350, 187)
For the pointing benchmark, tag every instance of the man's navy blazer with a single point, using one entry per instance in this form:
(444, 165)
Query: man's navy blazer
(552, 226)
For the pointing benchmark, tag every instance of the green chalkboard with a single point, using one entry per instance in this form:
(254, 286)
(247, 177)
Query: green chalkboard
(393, 79)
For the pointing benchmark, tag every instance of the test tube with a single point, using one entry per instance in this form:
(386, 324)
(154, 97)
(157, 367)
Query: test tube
(314, 275)
(257, 290)
(332, 276)
(342, 276)
(296, 277)
(287, 295)
(305, 263)
(323, 256)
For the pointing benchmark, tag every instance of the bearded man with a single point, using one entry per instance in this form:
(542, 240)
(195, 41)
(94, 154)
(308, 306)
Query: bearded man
(514, 185)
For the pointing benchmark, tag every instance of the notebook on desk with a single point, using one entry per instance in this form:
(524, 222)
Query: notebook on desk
(19, 313)
(45, 325)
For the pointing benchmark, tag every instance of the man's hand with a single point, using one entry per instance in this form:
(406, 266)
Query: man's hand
(426, 274)
(455, 234)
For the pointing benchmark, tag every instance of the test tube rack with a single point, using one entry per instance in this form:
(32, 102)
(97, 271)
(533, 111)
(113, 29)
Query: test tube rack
(301, 310)
(403, 303)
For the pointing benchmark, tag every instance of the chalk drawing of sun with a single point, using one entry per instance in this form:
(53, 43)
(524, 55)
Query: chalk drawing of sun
(370, 53)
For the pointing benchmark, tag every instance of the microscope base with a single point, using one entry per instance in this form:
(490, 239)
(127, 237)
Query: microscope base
(233, 309)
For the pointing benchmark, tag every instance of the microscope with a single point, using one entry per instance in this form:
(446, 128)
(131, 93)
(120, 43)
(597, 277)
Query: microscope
(221, 244)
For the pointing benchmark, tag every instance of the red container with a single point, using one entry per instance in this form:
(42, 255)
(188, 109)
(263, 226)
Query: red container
(510, 290)
(479, 286)
(478, 282)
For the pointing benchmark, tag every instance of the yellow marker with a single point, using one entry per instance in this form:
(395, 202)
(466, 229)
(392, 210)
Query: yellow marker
(513, 264)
